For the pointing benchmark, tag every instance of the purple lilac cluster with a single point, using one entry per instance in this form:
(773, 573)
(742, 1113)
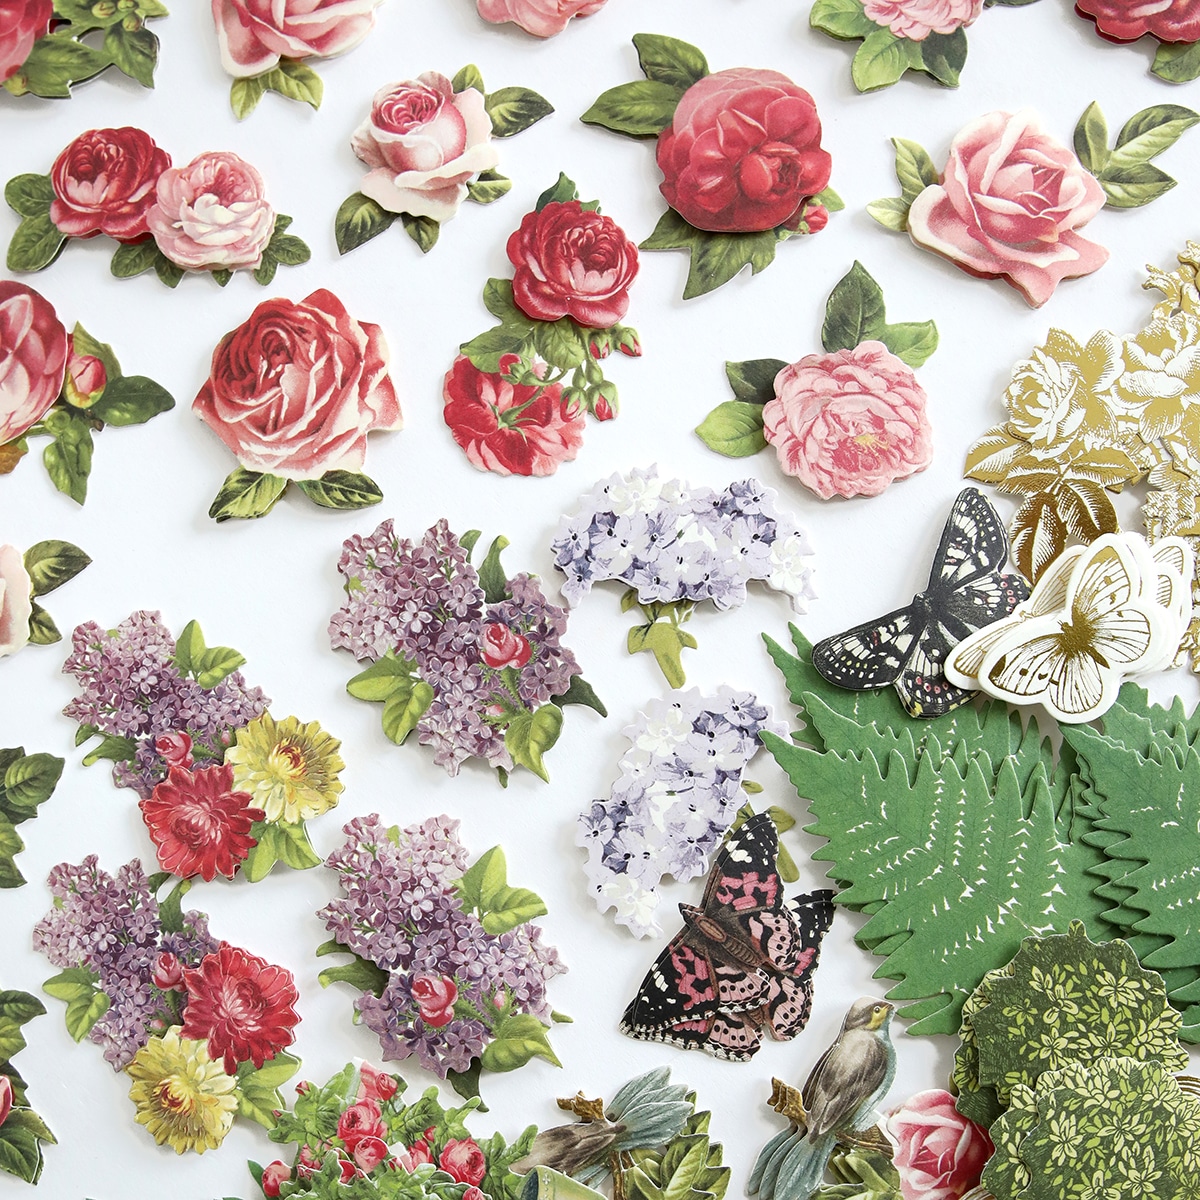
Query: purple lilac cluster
(402, 912)
(131, 688)
(672, 542)
(111, 928)
(679, 792)
(423, 602)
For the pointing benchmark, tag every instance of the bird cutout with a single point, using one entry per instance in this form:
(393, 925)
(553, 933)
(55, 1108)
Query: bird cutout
(1099, 614)
(744, 960)
(908, 647)
(837, 1103)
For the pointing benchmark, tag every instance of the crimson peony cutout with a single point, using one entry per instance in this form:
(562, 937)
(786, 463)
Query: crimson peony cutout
(429, 145)
(980, 214)
(848, 422)
(211, 215)
(542, 18)
(740, 153)
(1174, 23)
(517, 397)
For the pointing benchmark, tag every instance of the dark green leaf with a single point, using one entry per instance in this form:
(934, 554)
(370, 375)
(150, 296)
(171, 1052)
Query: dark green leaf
(1148, 133)
(1091, 139)
(132, 400)
(68, 458)
(854, 312)
(491, 574)
(643, 108)
(1177, 62)
(581, 692)
(246, 494)
(170, 910)
(114, 749)
(488, 187)
(52, 563)
(914, 168)
(265, 271)
(882, 59)
(58, 60)
(423, 230)
(244, 95)
(943, 56)
(498, 300)
(42, 629)
(288, 248)
(514, 109)
(168, 272)
(342, 489)
(133, 51)
(530, 735)
(734, 429)
(564, 189)
(670, 61)
(358, 220)
(844, 19)
(753, 381)
(296, 81)
(28, 782)
(134, 258)
(29, 195)
(716, 257)
(36, 243)
(20, 1154)
(222, 275)
(469, 77)
(360, 974)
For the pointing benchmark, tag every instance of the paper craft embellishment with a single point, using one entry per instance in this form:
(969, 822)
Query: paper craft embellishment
(980, 214)
(1175, 24)
(937, 1152)
(211, 215)
(224, 785)
(22, 1130)
(518, 396)
(265, 44)
(23, 579)
(428, 144)
(907, 648)
(542, 18)
(459, 983)
(357, 1130)
(293, 392)
(681, 787)
(63, 386)
(199, 1026)
(744, 960)
(26, 782)
(676, 546)
(470, 659)
(45, 45)
(845, 423)
(740, 154)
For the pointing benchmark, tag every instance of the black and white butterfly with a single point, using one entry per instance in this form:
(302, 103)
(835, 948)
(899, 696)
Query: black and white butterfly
(908, 648)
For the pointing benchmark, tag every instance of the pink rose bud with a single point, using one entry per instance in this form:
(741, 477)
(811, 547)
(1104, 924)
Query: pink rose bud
(502, 647)
(273, 1175)
(464, 1161)
(629, 343)
(307, 1164)
(176, 748)
(605, 405)
(369, 1153)
(86, 377)
(168, 973)
(507, 362)
(473, 1193)
(419, 1155)
(349, 1170)
(6, 1098)
(816, 217)
(435, 994)
(374, 1084)
(401, 1160)
(303, 1088)
(939, 1153)
(600, 344)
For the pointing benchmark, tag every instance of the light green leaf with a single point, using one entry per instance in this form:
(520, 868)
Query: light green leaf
(515, 109)
(530, 735)
(667, 643)
(492, 578)
(643, 108)
(1148, 133)
(401, 712)
(383, 679)
(42, 629)
(1133, 187)
(488, 187)
(891, 212)
(86, 1003)
(1091, 139)
(561, 343)
(28, 782)
(914, 168)
(278, 842)
(1177, 62)
(68, 458)
(360, 974)
(844, 19)
(469, 77)
(517, 1039)
(911, 341)
(58, 60)
(244, 95)
(246, 494)
(112, 749)
(882, 59)
(734, 429)
(295, 80)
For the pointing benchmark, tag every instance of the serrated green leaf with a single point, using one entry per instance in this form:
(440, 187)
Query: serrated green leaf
(734, 429)
(246, 494)
(515, 109)
(643, 108)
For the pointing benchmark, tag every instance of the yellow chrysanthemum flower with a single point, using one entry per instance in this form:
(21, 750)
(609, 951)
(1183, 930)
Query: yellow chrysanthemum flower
(290, 769)
(183, 1098)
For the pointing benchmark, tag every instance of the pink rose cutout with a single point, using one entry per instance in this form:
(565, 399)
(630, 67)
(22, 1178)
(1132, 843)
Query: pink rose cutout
(542, 18)
(33, 358)
(1128, 20)
(424, 142)
(1009, 204)
(16, 603)
(849, 423)
(939, 1154)
(915, 20)
(22, 22)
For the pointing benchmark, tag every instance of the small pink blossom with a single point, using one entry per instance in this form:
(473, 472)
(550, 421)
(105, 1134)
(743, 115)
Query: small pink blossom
(435, 996)
(273, 1175)
(6, 1098)
(502, 647)
(369, 1152)
(374, 1084)
(167, 973)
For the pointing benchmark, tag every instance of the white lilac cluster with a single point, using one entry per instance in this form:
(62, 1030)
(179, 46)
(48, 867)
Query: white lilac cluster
(679, 792)
(672, 542)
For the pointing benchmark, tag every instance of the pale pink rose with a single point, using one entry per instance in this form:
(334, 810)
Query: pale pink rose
(16, 603)
(1010, 201)
(213, 213)
(167, 972)
(255, 34)
(849, 423)
(369, 1152)
(917, 19)
(22, 22)
(542, 18)
(424, 142)
(939, 1153)
(33, 358)
(176, 748)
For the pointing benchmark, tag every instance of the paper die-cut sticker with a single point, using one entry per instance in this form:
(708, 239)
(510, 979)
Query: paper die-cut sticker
(22, 1130)
(428, 144)
(542, 18)
(265, 44)
(766, 180)
(848, 422)
(64, 386)
(936, 1151)
(47, 47)
(676, 546)
(378, 1134)
(23, 579)
(1057, 1141)
(681, 787)
(907, 649)
(479, 671)
(976, 214)
(224, 786)
(838, 1102)
(648, 1136)
(26, 782)
(210, 216)
(1175, 25)
(744, 961)
(518, 395)
(1063, 999)
(459, 984)
(293, 392)
(145, 980)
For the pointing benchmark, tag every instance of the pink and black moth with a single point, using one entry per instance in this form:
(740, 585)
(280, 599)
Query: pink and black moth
(744, 959)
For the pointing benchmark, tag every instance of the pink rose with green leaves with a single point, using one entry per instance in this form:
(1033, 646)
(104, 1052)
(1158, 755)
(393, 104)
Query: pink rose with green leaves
(33, 358)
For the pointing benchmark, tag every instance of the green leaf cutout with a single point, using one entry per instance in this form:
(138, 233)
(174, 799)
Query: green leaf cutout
(57, 61)
(530, 735)
(562, 190)
(643, 108)
(342, 489)
(68, 457)
(360, 973)
(492, 578)
(844, 19)
(423, 230)
(468, 77)
(715, 257)
(358, 220)
(515, 109)
(29, 195)
(670, 61)
(130, 259)
(666, 641)
(484, 890)
(36, 243)
(246, 494)
(1177, 62)
(278, 842)
(1125, 172)
(855, 313)
(86, 1003)
(131, 400)
(52, 563)
(133, 51)
(515, 1041)
(581, 692)
(488, 187)
(404, 709)
(734, 429)
(753, 381)
(295, 80)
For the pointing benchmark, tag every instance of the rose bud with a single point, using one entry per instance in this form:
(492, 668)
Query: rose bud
(303, 1088)
(349, 1170)
(507, 362)
(575, 399)
(273, 1175)
(816, 218)
(307, 1164)
(419, 1154)
(86, 377)
(628, 342)
(501, 647)
(176, 748)
(374, 1084)
(168, 973)
(473, 1193)
(600, 343)
(605, 406)
(464, 1161)
(435, 994)
(369, 1153)
(6, 1098)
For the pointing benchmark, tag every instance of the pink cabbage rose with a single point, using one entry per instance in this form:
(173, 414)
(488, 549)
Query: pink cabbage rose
(1128, 20)
(22, 22)
(849, 423)
(464, 1161)
(33, 358)
(213, 213)
(16, 603)
(1009, 204)
(917, 19)
(296, 388)
(424, 142)
(939, 1153)
(542, 18)
(255, 34)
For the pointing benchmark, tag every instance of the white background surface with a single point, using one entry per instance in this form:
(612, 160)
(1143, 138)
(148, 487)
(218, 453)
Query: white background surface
(268, 587)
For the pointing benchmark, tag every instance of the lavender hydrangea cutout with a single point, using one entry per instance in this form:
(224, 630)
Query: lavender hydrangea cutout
(679, 793)
(451, 971)
(676, 546)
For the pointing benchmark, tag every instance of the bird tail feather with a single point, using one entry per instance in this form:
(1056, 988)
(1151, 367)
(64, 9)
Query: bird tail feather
(802, 1171)
(770, 1159)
